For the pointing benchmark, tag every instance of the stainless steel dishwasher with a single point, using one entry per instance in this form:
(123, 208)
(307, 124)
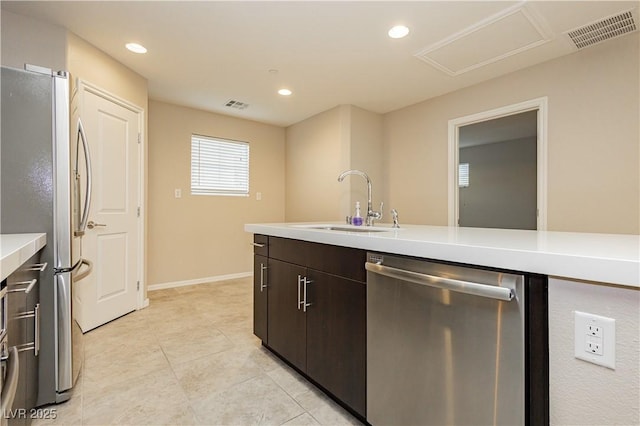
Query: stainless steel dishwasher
(445, 344)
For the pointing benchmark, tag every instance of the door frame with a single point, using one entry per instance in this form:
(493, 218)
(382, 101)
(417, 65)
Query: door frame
(539, 104)
(85, 86)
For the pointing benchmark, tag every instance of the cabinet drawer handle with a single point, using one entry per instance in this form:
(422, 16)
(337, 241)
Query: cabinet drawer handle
(36, 330)
(302, 293)
(26, 347)
(262, 284)
(257, 245)
(27, 289)
(305, 303)
(35, 267)
(25, 315)
(35, 345)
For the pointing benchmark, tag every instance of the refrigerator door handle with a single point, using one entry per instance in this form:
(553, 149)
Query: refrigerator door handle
(87, 200)
(86, 272)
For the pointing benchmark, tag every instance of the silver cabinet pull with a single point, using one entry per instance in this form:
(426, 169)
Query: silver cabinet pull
(35, 345)
(25, 314)
(27, 289)
(305, 302)
(257, 245)
(302, 293)
(262, 284)
(91, 224)
(35, 267)
(36, 330)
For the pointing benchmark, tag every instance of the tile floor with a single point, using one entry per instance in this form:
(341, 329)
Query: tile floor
(190, 358)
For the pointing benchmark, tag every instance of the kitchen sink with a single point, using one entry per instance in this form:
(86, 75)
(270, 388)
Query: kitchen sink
(344, 228)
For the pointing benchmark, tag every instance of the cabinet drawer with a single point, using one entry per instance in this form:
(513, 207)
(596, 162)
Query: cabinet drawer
(343, 261)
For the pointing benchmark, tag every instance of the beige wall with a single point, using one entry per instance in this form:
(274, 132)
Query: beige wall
(318, 150)
(86, 62)
(582, 393)
(195, 237)
(365, 139)
(593, 140)
(315, 156)
(30, 41)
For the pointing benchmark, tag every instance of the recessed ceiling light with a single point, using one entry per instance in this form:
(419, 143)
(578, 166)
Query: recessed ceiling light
(398, 31)
(285, 92)
(136, 48)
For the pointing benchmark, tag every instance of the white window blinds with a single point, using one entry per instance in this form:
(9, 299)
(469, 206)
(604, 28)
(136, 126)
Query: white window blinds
(219, 166)
(463, 175)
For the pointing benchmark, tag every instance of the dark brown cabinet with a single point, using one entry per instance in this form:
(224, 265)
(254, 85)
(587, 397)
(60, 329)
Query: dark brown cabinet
(336, 337)
(287, 322)
(23, 333)
(260, 296)
(260, 276)
(316, 313)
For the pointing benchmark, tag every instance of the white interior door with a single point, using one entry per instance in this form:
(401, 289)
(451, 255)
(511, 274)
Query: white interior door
(111, 240)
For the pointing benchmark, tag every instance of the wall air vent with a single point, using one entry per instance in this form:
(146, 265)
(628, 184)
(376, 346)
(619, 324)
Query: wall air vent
(236, 104)
(605, 29)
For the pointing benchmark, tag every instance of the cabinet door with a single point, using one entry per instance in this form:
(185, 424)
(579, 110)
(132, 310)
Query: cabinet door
(337, 337)
(286, 321)
(24, 296)
(260, 291)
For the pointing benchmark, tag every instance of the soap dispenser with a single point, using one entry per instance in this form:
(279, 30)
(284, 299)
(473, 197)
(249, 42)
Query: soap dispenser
(357, 218)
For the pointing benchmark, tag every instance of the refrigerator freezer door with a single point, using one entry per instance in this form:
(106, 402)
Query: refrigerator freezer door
(70, 339)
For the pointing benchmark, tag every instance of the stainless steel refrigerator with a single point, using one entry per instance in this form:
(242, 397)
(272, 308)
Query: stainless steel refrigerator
(46, 187)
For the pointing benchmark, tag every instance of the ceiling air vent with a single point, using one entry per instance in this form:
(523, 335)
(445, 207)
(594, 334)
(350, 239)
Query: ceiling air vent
(605, 29)
(236, 104)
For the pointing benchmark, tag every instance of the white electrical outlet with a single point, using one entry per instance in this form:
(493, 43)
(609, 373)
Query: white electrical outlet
(595, 339)
(177, 193)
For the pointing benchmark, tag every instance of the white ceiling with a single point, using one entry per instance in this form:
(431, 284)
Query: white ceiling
(204, 53)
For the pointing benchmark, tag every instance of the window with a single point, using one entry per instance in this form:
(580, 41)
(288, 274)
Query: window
(219, 166)
(463, 175)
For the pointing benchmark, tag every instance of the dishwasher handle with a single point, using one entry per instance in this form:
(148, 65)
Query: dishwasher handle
(476, 289)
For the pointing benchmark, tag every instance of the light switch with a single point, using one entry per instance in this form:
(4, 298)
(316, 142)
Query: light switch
(258, 196)
(595, 339)
(178, 193)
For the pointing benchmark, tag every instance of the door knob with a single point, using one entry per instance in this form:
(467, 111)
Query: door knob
(91, 224)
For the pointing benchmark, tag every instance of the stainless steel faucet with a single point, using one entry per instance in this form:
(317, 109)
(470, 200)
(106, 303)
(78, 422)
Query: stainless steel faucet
(394, 215)
(371, 214)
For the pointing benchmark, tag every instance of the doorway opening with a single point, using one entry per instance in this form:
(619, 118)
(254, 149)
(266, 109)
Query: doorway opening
(498, 166)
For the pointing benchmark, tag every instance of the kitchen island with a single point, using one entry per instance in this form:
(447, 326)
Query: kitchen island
(594, 273)
(606, 258)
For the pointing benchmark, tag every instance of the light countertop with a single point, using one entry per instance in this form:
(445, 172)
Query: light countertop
(607, 258)
(16, 249)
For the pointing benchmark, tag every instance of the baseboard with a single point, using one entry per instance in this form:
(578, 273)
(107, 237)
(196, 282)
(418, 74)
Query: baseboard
(205, 280)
